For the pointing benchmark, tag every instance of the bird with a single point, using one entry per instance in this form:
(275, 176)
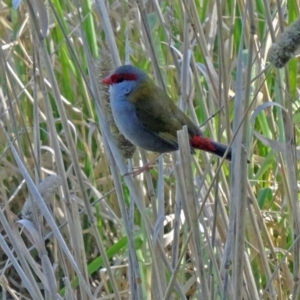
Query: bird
(148, 117)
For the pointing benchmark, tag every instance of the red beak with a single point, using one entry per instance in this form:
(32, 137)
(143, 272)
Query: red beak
(107, 80)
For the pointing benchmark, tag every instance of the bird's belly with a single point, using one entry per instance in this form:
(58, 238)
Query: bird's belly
(130, 126)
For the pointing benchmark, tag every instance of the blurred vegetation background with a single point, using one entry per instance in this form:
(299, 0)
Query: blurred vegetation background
(76, 225)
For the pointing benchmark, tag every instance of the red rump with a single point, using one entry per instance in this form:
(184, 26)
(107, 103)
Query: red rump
(202, 143)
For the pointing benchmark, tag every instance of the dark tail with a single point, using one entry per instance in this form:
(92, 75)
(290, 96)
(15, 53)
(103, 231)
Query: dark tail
(205, 144)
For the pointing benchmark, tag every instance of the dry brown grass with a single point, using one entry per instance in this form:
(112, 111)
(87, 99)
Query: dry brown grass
(74, 226)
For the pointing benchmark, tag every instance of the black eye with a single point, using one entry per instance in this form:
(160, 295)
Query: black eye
(120, 79)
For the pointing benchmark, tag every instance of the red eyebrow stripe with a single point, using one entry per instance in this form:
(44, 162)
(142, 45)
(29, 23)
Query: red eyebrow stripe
(129, 76)
(115, 78)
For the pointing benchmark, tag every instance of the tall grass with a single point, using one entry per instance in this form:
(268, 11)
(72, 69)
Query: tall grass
(76, 224)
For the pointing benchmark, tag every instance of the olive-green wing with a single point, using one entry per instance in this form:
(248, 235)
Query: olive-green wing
(159, 115)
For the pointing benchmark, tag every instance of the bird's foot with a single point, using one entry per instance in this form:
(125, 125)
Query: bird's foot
(140, 170)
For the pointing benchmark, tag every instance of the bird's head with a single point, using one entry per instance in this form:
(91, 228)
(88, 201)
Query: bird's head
(125, 79)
